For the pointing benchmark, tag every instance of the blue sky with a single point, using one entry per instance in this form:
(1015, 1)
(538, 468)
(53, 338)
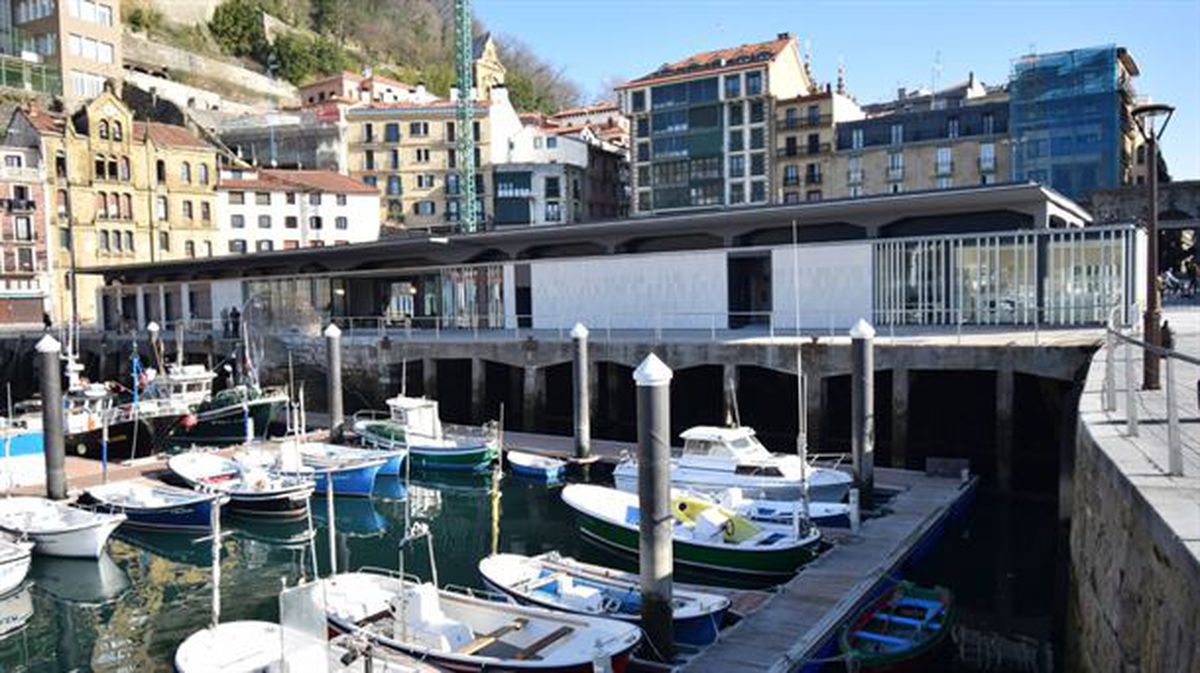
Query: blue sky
(883, 44)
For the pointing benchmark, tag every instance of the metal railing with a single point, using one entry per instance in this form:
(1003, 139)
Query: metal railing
(1149, 409)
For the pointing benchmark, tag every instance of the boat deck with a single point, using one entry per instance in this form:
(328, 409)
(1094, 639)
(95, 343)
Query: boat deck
(792, 626)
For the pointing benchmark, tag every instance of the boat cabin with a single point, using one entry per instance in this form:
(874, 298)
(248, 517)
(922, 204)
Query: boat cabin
(417, 415)
(734, 445)
(191, 383)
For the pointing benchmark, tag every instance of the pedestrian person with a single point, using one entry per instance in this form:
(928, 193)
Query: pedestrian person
(225, 323)
(1167, 337)
(47, 324)
(235, 317)
(1191, 277)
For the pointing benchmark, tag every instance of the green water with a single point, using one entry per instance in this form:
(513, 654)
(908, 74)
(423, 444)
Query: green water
(130, 611)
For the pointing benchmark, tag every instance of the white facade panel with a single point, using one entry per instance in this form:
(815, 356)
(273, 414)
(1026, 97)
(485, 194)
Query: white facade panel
(678, 290)
(834, 285)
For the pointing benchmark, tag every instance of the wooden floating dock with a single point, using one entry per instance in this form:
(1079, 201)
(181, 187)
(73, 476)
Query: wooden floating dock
(563, 446)
(792, 626)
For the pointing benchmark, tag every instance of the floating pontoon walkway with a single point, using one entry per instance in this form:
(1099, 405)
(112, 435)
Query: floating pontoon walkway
(794, 625)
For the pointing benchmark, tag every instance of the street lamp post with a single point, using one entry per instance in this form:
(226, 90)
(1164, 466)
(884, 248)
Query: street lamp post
(1152, 120)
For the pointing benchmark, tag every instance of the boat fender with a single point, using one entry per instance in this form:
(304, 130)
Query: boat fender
(729, 528)
(189, 421)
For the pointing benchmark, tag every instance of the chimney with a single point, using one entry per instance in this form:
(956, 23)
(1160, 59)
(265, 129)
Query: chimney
(971, 79)
(499, 94)
(784, 36)
(900, 93)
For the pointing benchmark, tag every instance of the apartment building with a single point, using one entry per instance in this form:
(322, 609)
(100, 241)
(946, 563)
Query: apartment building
(311, 138)
(24, 265)
(80, 38)
(123, 191)
(955, 137)
(265, 210)
(350, 87)
(805, 141)
(542, 179)
(409, 152)
(702, 127)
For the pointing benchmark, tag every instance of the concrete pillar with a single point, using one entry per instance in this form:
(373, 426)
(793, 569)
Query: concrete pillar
(429, 377)
(655, 522)
(862, 402)
(581, 384)
(162, 304)
(899, 416)
(333, 354)
(185, 303)
(1005, 395)
(814, 406)
(729, 384)
(52, 418)
(532, 399)
(141, 307)
(478, 388)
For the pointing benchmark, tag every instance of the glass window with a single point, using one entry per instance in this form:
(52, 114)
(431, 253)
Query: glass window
(553, 211)
(757, 138)
(237, 198)
(952, 127)
(393, 185)
(341, 222)
(264, 221)
(897, 134)
(160, 207)
(391, 132)
(189, 249)
(758, 191)
(737, 166)
(237, 245)
(314, 199)
(737, 115)
(237, 221)
(164, 241)
(264, 245)
(553, 190)
(856, 139)
(262, 198)
(758, 164)
(340, 199)
(205, 211)
(290, 222)
(737, 193)
(638, 100)
(314, 222)
(756, 112)
(188, 213)
(736, 138)
(754, 83)
(733, 86)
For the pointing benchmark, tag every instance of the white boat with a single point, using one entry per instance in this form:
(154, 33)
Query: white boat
(15, 558)
(252, 491)
(16, 609)
(534, 466)
(154, 505)
(714, 459)
(58, 529)
(414, 423)
(823, 514)
(466, 633)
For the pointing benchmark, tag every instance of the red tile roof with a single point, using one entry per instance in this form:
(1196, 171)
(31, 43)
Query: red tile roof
(585, 109)
(168, 135)
(719, 60)
(46, 122)
(280, 180)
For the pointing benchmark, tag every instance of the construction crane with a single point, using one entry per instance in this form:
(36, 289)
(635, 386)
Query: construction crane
(468, 212)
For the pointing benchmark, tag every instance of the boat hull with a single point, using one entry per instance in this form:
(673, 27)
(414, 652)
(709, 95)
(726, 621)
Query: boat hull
(922, 654)
(225, 426)
(13, 571)
(276, 505)
(474, 458)
(538, 473)
(86, 542)
(780, 563)
(355, 481)
(126, 441)
(184, 517)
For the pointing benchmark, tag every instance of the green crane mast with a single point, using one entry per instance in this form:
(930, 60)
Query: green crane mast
(468, 212)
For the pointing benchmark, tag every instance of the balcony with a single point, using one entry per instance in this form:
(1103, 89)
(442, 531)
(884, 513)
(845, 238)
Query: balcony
(854, 177)
(804, 122)
(21, 205)
(987, 164)
(895, 173)
(797, 151)
(791, 181)
(21, 173)
(812, 179)
(942, 169)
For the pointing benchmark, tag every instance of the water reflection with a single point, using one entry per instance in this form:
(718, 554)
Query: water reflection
(16, 608)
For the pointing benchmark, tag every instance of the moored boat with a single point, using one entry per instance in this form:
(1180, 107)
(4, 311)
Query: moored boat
(353, 471)
(714, 459)
(223, 418)
(58, 529)
(533, 466)
(823, 514)
(465, 633)
(414, 423)
(15, 558)
(900, 631)
(707, 537)
(16, 608)
(155, 505)
(252, 491)
(101, 424)
(553, 582)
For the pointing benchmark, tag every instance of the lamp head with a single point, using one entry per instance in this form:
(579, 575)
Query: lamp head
(1152, 118)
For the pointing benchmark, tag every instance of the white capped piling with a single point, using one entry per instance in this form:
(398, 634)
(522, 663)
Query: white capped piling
(333, 348)
(862, 403)
(49, 350)
(583, 404)
(331, 528)
(655, 522)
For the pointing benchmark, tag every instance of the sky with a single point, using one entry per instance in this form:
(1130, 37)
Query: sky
(883, 44)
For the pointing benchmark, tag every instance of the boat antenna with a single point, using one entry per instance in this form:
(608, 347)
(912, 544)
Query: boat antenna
(136, 369)
(801, 416)
(331, 525)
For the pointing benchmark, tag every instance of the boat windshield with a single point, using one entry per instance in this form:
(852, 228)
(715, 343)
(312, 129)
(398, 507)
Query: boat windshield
(741, 449)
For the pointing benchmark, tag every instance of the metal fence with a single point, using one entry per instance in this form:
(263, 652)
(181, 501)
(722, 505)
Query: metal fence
(1165, 419)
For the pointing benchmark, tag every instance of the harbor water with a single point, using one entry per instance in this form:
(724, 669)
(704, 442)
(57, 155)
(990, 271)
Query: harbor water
(131, 610)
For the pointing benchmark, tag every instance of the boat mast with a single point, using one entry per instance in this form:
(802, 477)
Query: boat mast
(801, 416)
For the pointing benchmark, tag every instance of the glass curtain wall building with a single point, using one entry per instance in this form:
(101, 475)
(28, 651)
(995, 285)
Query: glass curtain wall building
(686, 125)
(1069, 119)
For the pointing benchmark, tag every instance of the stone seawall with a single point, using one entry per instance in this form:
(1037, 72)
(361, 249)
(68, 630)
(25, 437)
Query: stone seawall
(1135, 539)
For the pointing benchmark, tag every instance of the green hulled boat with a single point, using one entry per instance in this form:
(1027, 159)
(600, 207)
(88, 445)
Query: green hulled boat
(221, 420)
(713, 540)
(413, 423)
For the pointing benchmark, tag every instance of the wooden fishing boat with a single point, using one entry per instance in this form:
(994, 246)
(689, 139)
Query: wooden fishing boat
(557, 583)
(252, 491)
(713, 459)
(155, 505)
(533, 466)
(15, 558)
(705, 535)
(901, 630)
(414, 423)
(352, 470)
(58, 529)
(223, 418)
(464, 633)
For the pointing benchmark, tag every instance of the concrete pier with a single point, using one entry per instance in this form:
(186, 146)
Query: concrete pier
(862, 406)
(54, 439)
(580, 382)
(656, 559)
(333, 354)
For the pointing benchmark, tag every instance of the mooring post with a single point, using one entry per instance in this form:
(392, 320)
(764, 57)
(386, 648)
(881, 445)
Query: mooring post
(655, 523)
(862, 414)
(583, 402)
(333, 352)
(52, 418)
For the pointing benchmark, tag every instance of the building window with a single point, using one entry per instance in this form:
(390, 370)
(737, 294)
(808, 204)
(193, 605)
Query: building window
(314, 199)
(341, 222)
(340, 199)
(369, 160)
(160, 208)
(189, 249)
(896, 187)
(422, 155)
(637, 101)
(129, 241)
(23, 229)
(733, 86)
(391, 133)
(316, 244)
(123, 169)
(987, 157)
(758, 191)
(476, 131)
(264, 221)
(897, 134)
(264, 245)
(237, 245)
(758, 164)
(205, 211)
(237, 198)
(188, 213)
(952, 127)
(185, 173)
(737, 114)
(368, 133)
(104, 246)
(757, 114)
(371, 180)
(945, 182)
(757, 138)
(551, 143)
(737, 193)
(895, 166)
(418, 129)
(736, 140)
(393, 185)
(291, 198)
(945, 161)
(425, 208)
(203, 171)
(553, 190)
(290, 222)
(291, 244)
(315, 223)
(237, 221)
(643, 152)
(791, 175)
(450, 137)
(737, 166)
(856, 139)
(754, 83)
(160, 171)
(856, 191)
(989, 124)
(117, 245)
(102, 130)
(164, 241)
(425, 180)
(812, 195)
(854, 174)
(452, 184)
(262, 198)
(451, 159)
(642, 128)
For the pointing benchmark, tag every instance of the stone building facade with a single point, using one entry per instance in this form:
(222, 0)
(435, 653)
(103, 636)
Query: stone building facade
(24, 265)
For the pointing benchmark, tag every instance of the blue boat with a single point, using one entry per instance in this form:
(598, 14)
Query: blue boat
(353, 470)
(558, 583)
(533, 466)
(155, 506)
